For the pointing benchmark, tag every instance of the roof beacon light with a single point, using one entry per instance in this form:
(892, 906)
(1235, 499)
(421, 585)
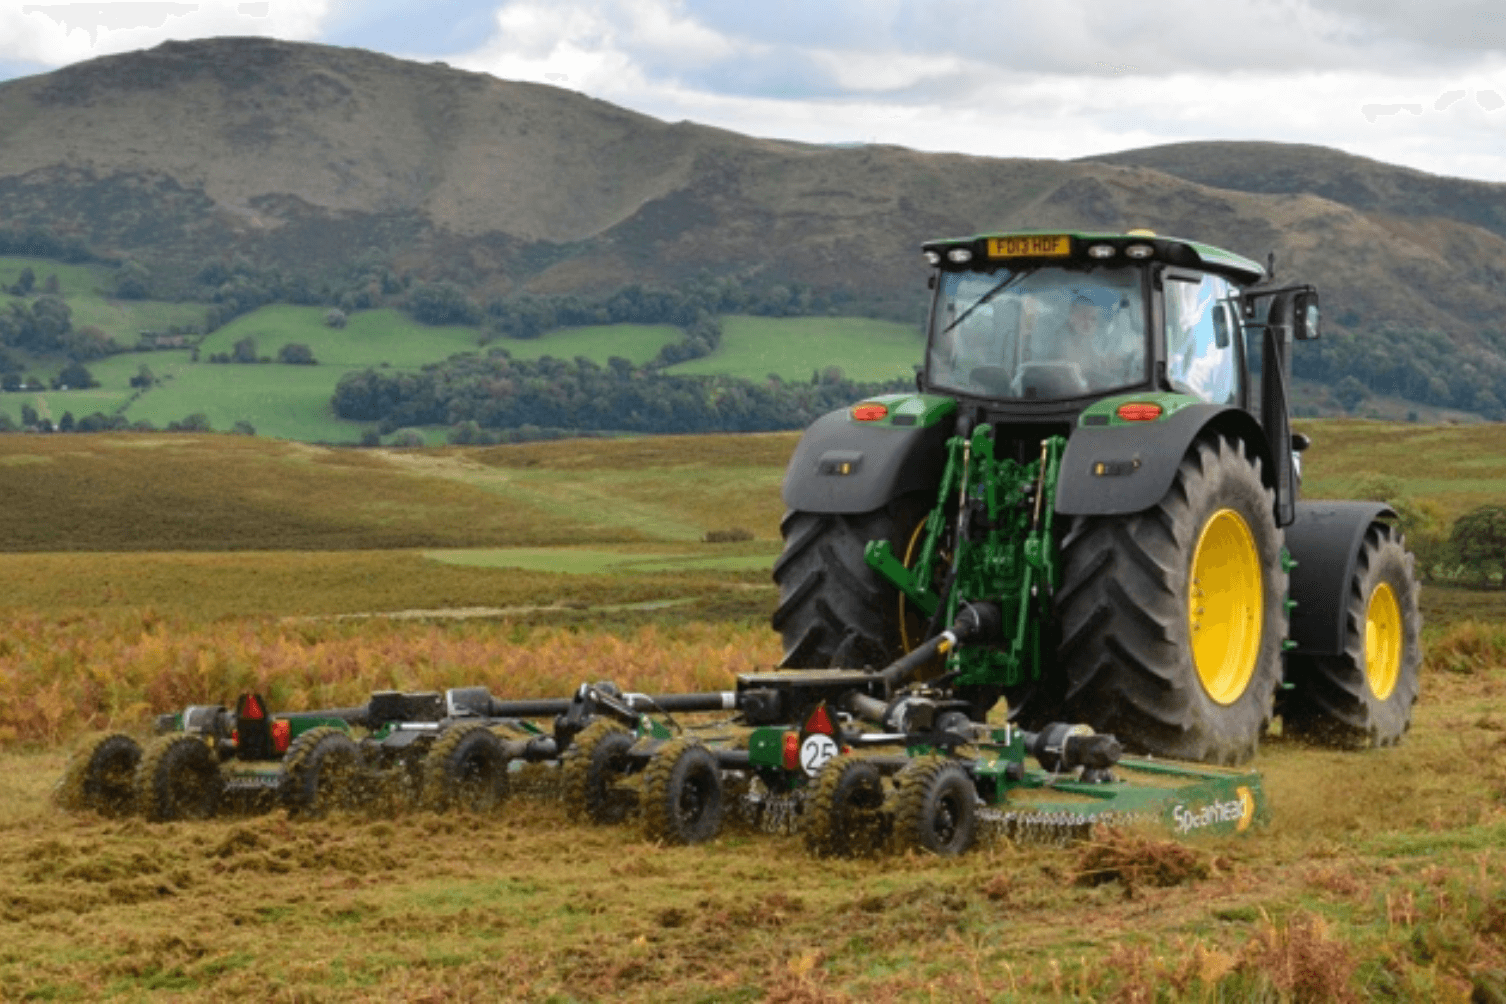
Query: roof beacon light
(934, 257)
(1102, 251)
(869, 411)
(1139, 251)
(959, 256)
(1140, 411)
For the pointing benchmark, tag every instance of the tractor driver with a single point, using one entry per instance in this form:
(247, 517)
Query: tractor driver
(1102, 352)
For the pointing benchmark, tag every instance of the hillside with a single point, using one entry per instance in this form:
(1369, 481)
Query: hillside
(303, 157)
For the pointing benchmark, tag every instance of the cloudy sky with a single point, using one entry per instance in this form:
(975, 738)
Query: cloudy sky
(1400, 81)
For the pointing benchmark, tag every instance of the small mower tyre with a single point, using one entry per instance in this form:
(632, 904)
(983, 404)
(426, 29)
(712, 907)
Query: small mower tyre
(1363, 697)
(835, 611)
(591, 768)
(682, 794)
(178, 778)
(466, 769)
(1172, 619)
(935, 807)
(320, 772)
(844, 814)
(99, 777)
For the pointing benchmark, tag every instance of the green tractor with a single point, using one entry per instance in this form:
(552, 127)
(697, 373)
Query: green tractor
(1099, 443)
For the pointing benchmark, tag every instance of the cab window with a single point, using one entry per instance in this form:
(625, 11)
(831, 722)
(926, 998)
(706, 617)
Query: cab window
(1202, 338)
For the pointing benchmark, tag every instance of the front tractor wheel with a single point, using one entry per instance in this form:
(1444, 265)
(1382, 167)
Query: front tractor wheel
(835, 611)
(1364, 695)
(1172, 619)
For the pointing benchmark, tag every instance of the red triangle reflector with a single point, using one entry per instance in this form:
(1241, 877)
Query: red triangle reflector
(252, 709)
(820, 721)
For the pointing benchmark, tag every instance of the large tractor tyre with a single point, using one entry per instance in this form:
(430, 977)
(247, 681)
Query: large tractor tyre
(1363, 697)
(590, 771)
(1172, 620)
(844, 815)
(321, 772)
(178, 778)
(466, 769)
(935, 807)
(835, 611)
(100, 775)
(682, 794)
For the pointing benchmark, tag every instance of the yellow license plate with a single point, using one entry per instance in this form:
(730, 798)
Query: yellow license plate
(1036, 246)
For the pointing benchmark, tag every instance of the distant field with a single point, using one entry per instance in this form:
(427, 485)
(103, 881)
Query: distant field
(637, 343)
(793, 347)
(1456, 467)
(74, 280)
(371, 338)
(86, 289)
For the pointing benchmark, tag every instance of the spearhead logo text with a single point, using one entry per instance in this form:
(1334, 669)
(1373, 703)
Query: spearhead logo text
(1240, 811)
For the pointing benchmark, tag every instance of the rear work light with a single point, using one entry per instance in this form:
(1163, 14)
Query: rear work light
(791, 751)
(869, 411)
(1140, 411)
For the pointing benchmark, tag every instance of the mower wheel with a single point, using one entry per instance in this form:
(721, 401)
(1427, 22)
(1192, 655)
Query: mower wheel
(835, 611)
(682, 794)
(844, 815)
(590, 771)
(99, 776)
(178, 778)
(320, 772)
(466, 769)
(1172, 619)
(935, 807)
(1363, 697)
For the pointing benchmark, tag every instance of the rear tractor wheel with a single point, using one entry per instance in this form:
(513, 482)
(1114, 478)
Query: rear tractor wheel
(1172, 619)
(682, 794)
(835, 611)
(99, 776)
(1363, 697)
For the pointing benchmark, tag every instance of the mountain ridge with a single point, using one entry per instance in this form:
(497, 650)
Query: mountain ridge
(303, 157)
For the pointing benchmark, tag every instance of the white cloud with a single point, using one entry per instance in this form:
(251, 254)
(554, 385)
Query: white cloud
(58, 33)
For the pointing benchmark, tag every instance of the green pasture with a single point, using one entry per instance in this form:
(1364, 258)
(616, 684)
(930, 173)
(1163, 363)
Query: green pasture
(85, 288)
(371, 338)
(793, 347)
(286, 402)
(74, 280)
(637, 343)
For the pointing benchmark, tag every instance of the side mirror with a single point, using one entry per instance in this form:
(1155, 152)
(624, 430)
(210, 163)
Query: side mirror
(1305, 317)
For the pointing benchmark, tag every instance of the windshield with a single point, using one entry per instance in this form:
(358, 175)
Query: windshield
(1038, 334)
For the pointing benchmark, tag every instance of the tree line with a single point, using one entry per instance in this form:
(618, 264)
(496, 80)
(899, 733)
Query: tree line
(495, 391)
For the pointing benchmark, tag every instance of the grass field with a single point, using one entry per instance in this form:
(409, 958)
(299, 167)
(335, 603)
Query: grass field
(147, 572)
(637, 343)
(794, 347)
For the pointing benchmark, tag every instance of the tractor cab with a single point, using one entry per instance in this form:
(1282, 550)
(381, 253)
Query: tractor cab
(1050, 323)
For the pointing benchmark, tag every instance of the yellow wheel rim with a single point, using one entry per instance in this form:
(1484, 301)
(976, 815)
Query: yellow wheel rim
(1225, 606)
(905, 641)
(1382, 641)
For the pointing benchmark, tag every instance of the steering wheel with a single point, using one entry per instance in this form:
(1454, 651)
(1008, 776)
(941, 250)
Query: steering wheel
(1056, 378)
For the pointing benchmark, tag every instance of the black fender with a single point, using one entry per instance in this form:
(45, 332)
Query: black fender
(1114, 470)
(846, 466)
(1325, 541)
